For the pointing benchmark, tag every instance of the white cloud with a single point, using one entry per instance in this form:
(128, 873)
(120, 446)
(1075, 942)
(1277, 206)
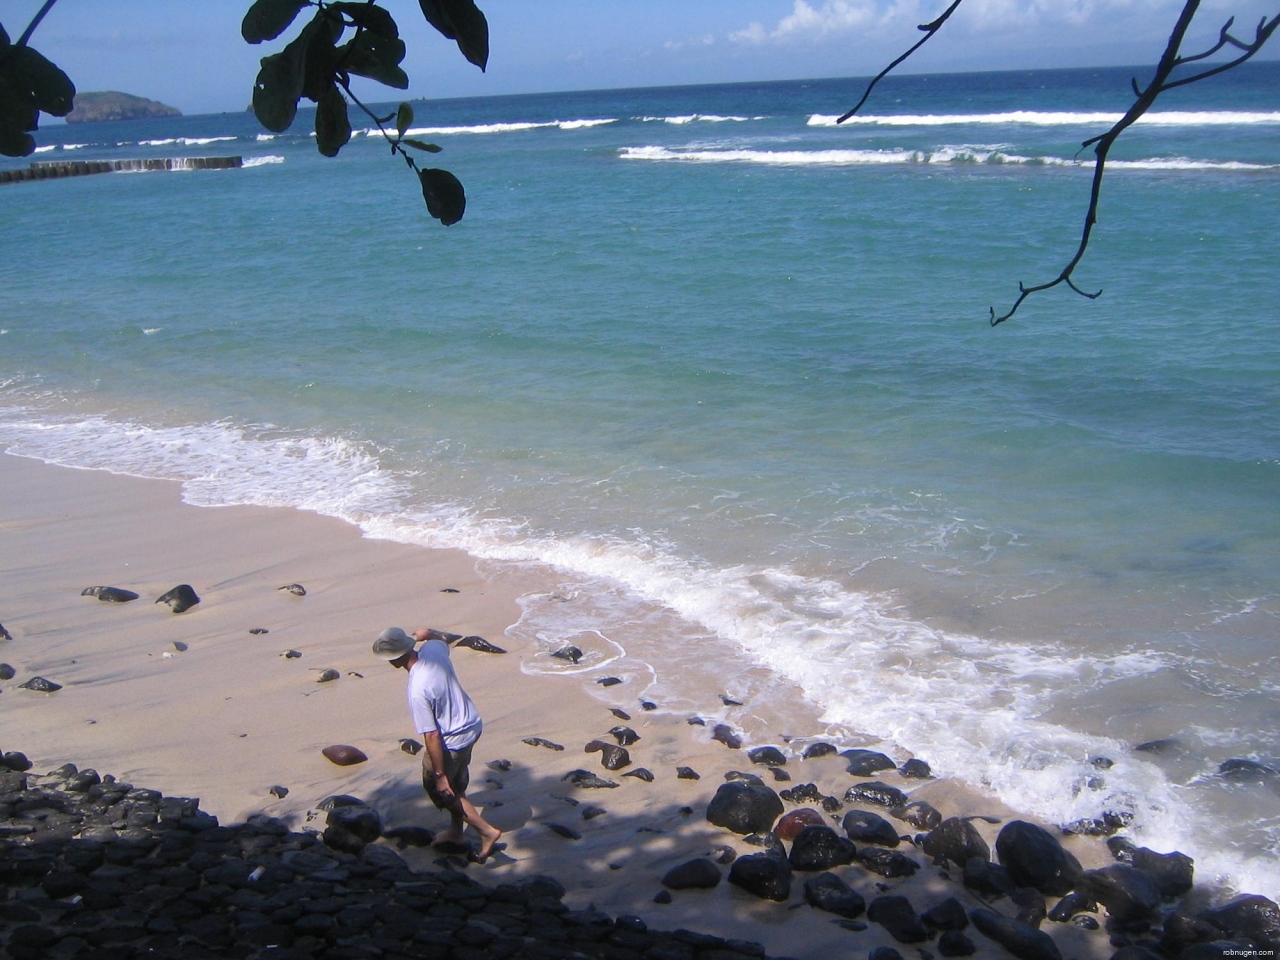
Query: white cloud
(832, 18)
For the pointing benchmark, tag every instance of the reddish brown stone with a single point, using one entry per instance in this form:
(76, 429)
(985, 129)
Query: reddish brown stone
(790, 825)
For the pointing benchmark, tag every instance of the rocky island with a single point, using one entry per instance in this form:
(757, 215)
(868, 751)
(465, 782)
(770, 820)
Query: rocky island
(112, 105)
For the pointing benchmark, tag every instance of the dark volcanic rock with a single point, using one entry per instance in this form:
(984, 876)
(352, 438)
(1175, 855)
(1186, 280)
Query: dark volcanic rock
(1035, 858)
(569, 653)
(887, 863)
(1070, 905)
(744, 807)
(898, 916)
(1173, 873)
(763, 875)
(947, 915)
(180, 598)
(1251, 916)
(109, 594)
(769, 756)
(826, 891)
(863, 826)
(480, 645)
(1129, 895)
(588, 780)
(820, 848)
(1024, 942)
(624, 735)
(880, 794)
(612, 756)
(866, 763)
(918, 813)
(114, 871)
(986, 878)
(724, 734)
(1248, 771)
(957, 840)
(818, 750)
(914, 769)
(954, 943)
(640, 773)
(40, 685)
(699, 874)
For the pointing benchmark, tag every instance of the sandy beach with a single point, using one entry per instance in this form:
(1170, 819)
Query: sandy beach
(195, 704)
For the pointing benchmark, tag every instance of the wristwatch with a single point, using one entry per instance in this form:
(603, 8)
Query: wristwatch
(437, 774)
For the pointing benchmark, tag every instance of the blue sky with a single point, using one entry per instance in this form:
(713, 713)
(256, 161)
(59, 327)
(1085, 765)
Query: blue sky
(188, 53)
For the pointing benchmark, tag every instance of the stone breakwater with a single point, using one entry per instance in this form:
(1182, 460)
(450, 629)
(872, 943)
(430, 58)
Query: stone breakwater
(94, 867)
(55, 169)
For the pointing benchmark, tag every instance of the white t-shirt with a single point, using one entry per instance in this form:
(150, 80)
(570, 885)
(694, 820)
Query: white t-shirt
(437, 700)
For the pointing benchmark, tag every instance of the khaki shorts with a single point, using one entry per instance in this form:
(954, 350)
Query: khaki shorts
(456, 763)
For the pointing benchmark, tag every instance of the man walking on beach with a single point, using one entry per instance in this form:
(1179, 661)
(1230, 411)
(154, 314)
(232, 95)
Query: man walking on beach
(450, 726)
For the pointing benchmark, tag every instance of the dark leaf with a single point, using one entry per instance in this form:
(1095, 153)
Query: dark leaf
(17, 116)
(375, 57)
(30, 73)
(419, 145)
(4, 38)
(319, 57)
(279, 85)
(371, 17)
(404, 118)
(267, 19)
(446, 200)
(333, 128)
(460, 20)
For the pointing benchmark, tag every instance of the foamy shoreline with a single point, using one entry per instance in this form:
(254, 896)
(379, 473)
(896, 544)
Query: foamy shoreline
(193, 704)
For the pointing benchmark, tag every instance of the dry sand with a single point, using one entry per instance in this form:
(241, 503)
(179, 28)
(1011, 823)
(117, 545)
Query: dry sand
(193, 704)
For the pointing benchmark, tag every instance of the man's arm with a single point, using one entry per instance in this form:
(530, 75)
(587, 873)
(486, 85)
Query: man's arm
(435, 754)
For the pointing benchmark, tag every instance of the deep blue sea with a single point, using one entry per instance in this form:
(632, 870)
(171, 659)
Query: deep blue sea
(717, 374)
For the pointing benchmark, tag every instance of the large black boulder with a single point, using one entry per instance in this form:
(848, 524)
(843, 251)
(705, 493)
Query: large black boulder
(1252, 916)
(899, 917)
(887, 863)
(957, 840)
(744, 807)
(1035, 858)
(863, 826)
(699, 874)
(826, 891)
(765, 876)
(1174, 873)
(820, 848)
(1129, 895)
(875, 792)
(1024, 942)
(947, 915)
(866, 763)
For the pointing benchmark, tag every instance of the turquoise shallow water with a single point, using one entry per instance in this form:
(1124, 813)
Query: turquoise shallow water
(720, 370)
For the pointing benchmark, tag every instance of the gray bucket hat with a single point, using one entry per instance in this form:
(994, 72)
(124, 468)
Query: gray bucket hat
(393, 643)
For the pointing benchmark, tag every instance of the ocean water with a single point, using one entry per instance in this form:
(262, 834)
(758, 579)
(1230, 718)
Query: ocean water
(717, 375)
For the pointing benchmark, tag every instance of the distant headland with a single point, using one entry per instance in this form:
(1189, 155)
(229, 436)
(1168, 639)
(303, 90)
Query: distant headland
(112, 105)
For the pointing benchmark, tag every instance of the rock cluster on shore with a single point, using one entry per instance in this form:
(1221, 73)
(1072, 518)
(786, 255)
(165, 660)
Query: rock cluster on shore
(93, 867)
(1141, 893)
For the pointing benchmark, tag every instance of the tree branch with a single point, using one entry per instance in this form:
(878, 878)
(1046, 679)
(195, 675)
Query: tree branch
(930, 29)
(1170, 60)
(35, 22)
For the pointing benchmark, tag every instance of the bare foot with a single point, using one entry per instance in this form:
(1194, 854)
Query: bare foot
(487, 843)
(449, 838)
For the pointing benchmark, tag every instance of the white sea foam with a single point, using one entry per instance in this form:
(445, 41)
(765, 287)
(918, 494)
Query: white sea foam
(263, 161)
(974, 707)
(697, 118)
(1040, 118)
(938, 155)
(491, 128)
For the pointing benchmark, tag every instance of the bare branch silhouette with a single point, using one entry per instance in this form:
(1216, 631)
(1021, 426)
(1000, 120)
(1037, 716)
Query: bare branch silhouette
(1170, 60)
(930, 29)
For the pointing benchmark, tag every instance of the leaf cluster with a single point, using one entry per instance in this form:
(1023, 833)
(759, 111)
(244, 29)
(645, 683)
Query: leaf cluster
(346, 39)
(29, 84)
